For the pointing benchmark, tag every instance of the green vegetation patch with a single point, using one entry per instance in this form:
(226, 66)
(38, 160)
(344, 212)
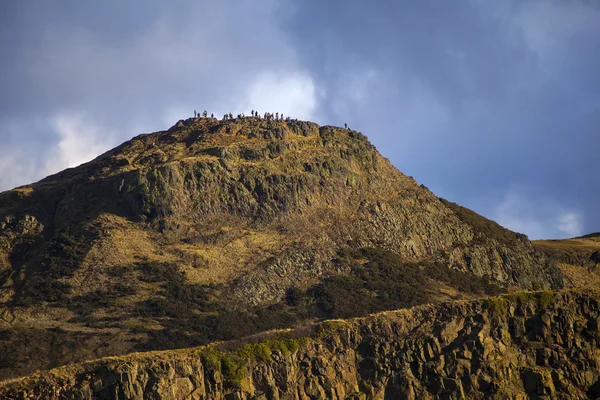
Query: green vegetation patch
(384, 282)
(499, 305)
(233, 370)
(546, 298)
(330, 328)
(176, 299)
(379, 280)
(44, 280)
(257, 352)
(262, 352)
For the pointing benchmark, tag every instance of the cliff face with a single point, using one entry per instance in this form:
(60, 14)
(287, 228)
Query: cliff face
(323, 186)
(541, 344)
(172, 238)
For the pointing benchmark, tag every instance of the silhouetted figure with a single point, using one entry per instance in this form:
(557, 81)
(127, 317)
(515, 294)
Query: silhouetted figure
(345, 126)
(212, 115)
(205, 114)
(195, 113)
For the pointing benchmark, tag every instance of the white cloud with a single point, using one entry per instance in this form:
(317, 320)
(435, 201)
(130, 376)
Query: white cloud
(80, 141)
(570, 223)
(35, 148)
(15, 170)
(22, 151)
(369, 96)
(515, 213)
(293, 94)
(216, 59)
(526, 211)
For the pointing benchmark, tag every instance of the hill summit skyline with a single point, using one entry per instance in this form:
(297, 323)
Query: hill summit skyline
(491, 106)
(228, 233)
(220, 220)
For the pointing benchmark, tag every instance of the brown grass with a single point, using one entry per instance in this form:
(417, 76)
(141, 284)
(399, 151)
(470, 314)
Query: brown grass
(581, 277)
(224, 261)
(568, 244)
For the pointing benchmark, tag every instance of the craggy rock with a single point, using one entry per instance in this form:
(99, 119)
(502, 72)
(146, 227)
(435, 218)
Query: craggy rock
(250, 206)
(270, 173)
(523, 345)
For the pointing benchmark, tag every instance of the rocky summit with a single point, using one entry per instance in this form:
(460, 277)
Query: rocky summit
(215, 231)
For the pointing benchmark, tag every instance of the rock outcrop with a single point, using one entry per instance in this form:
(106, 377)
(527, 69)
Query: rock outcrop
(523, 345)
(322, 188)
(173, 230)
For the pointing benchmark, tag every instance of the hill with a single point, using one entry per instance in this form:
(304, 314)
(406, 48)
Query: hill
(578, 258)
(215, 230)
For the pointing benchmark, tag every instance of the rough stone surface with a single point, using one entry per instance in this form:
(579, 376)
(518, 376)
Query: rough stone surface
(324, 187)
(523, 345)
(250, 206)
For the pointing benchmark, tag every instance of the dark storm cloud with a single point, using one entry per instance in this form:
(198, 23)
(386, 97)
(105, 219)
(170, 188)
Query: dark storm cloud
(494, 105)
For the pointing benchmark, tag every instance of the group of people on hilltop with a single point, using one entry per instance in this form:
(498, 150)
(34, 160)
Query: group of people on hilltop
(204, 114)
(268, 116)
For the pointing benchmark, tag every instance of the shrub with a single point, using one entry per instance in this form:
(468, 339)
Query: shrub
(233, 371)
(177, 299)
(295, 297)
(386, 282)
(497, 305)
(595, 257)
(63, 255)
(329, 328)
(257, 352)
(211, 357)
(546, 298)
(463, 281)
(380, 281)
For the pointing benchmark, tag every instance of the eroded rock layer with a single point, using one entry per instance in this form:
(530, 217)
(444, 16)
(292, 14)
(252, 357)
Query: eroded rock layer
(200, 233)
(523, 345)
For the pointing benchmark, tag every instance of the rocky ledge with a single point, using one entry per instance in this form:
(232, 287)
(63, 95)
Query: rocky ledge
(521, 345)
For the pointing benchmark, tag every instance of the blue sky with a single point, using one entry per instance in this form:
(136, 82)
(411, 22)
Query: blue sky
(493, 105)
